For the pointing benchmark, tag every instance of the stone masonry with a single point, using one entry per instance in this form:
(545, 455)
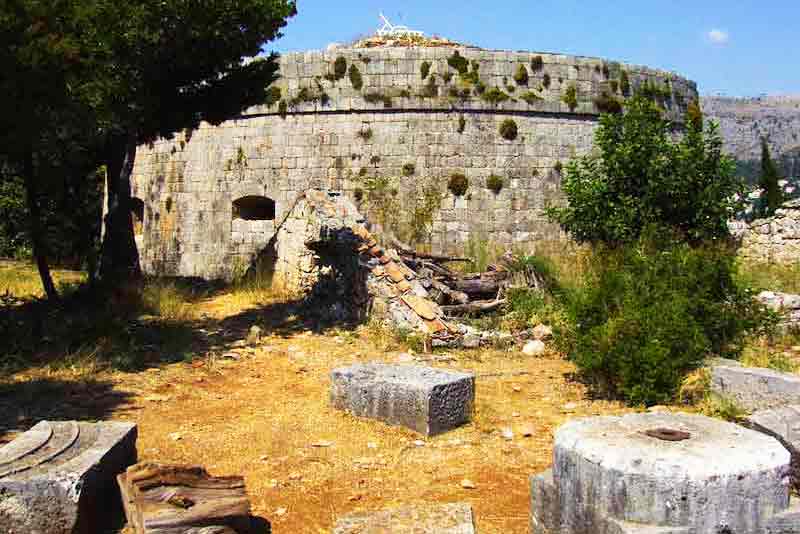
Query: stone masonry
(774, 239)
(59, 477)
(207, 202)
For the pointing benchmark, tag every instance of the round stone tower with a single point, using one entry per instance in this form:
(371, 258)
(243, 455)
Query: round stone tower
(444, 147)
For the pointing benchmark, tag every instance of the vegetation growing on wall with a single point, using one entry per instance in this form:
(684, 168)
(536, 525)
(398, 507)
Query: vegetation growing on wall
(447, 77)
(309, 95)
(409, 169)
(546, 81)
(375, 97)
(425, 69)
(339, 70)
(530, 97)
(273, 96)
(355, 77)
(283, 107)
(458, 184)
(508, 129)
(521, 75)
(606, 103)
(458, 62)
(494, 96)
(430, 89)
(462, 124)
(365, 133)
(570, 97)
(537, 63)
(495, 183)
(625, 83)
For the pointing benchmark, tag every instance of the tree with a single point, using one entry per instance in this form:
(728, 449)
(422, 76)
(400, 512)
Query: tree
(641, 175)
(771, 194)
(170, 65)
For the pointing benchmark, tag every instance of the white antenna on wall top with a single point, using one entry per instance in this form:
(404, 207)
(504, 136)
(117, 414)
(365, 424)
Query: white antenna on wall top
(389, 30)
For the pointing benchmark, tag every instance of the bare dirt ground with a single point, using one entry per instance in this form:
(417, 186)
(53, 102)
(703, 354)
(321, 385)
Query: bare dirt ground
(266, 416)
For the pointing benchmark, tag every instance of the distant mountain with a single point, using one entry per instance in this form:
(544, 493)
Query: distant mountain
(744, 121)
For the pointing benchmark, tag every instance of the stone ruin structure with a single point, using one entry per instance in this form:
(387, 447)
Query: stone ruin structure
(665, 473)
(387, 127)
(774, 239)
(59, 477)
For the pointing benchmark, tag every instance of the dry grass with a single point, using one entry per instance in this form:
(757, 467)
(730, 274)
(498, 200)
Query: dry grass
(22, 279)
(772, 276)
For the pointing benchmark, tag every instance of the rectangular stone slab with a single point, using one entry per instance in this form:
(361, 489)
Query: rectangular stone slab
(784, 425)
(427, 400)
(755, 388)
(59, 477)
(787, 522)
(545, 516)
(454, 518)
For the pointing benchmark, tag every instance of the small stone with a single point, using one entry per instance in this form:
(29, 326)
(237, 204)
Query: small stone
(507, 434)
(295, 476)
(263, 457)
(570, 406)
(542, 332)
(517, 389)
(322, 444)
(281, 511)
(514, 414)
(372, 445)
(468, 484)
(419, 443)
(534, 348)
(176, 436)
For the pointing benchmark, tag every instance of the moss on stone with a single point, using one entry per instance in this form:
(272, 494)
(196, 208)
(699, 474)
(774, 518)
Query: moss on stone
(355, 77)
(458, 184)
(521, 76)
(462, 124)
(508, 129)
(606, 103)
(375, 97)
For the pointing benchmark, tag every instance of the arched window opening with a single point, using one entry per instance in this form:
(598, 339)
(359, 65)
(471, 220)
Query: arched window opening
(137, 212)
(254, 208)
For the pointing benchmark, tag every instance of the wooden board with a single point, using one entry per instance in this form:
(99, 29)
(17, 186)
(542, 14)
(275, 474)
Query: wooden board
(172, 499)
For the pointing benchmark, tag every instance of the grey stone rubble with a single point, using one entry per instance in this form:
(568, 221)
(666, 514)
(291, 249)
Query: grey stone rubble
(59, 477)
(784, 425)
(786, 304)
(427, 400)
(454, 518)
(754, 388)
(638, 474)
(774, 239)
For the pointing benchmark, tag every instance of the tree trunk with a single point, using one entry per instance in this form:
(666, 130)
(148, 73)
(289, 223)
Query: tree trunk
(119, 259)
(34, 220)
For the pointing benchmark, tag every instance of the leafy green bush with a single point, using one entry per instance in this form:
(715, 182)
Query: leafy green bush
(508, 129)
(425, 69)
(494, 183)
(546, 81)
(458, 184)
(376, 97)
(521, 76)
(606, 103)
(570, 97)
(355, 77)
(642, 176)
(409, 169)
(339, 68)
(537, 63)
(653, 311)
(625, 83)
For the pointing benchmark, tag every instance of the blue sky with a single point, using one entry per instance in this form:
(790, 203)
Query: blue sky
(739, 48)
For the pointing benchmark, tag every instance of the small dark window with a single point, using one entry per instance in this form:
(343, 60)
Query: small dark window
(254, 208)
(137, 211)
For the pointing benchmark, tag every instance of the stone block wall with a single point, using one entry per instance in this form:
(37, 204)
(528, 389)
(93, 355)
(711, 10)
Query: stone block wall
(391, 146)
(774, 239)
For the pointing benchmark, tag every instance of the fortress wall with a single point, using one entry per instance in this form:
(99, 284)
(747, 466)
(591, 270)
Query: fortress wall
(188, 184)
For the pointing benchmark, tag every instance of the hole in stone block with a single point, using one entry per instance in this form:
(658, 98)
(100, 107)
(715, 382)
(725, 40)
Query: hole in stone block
(667, 434)
(254, 208)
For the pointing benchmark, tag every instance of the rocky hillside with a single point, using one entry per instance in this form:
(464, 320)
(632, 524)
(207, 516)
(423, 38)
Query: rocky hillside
(744, 121)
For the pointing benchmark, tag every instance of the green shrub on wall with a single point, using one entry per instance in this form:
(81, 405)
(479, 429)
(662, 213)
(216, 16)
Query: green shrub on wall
(521, 76)
(339, 70)
(355, 77)
(537, 63)
(494, 183)
(458, 184)
(508, 129)
(570, 97)
(546, 81)
(494, 96)
(530, 97)
(606, 103)
(409, 169)
(458, 62)
(625, 83)
(462, 124)
(425, 69)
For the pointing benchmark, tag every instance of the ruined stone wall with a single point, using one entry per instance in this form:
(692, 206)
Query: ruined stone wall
(775, 239)
(391, 143)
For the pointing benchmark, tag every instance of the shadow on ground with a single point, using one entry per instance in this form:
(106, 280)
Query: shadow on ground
(25, 403)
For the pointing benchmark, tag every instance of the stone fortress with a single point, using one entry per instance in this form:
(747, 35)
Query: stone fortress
(441, 145)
